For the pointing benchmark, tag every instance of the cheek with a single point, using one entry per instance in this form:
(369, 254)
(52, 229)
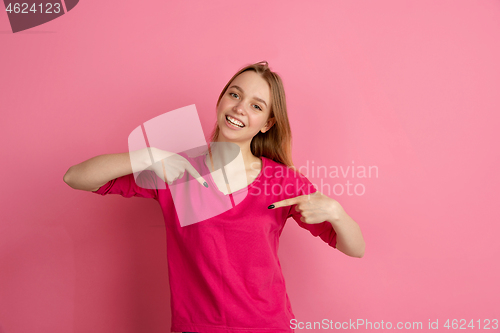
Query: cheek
(258, 121)
(219, 110)
(222, 106)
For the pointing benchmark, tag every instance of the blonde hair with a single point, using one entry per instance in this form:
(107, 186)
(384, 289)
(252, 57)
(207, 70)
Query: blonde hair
(275, 143)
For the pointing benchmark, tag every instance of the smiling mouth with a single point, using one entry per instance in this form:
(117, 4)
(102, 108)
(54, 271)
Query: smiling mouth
(234, 122)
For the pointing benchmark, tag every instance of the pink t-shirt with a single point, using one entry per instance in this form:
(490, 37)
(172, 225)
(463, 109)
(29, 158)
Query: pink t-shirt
(224, 272)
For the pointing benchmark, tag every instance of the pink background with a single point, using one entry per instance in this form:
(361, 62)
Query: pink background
(408, 86)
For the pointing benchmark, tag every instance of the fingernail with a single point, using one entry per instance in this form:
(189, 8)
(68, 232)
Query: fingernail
(270, 207)
(205, 184)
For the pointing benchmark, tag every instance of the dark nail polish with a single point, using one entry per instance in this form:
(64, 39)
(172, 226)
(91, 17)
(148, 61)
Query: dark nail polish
(270, 207)
(205, 184)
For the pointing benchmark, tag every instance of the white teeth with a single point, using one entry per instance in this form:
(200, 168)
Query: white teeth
(234, 121)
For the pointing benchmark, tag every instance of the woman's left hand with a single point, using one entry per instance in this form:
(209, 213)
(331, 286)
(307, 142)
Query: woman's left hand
(314, 208)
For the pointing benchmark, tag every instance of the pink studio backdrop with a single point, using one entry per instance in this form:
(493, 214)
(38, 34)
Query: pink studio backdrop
(410, 88)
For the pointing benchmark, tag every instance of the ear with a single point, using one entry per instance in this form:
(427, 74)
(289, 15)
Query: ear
(269, 124)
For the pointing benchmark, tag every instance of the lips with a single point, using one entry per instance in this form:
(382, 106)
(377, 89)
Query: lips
(241, 121)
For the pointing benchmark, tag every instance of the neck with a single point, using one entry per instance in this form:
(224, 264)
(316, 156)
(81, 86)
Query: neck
(244, 148)
(223, 152)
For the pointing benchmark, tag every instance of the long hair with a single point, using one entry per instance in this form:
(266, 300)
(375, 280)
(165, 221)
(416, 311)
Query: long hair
(276, 143)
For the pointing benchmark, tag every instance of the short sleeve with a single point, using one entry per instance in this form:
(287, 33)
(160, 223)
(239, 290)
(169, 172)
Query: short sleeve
(324, 229)
(127, 186)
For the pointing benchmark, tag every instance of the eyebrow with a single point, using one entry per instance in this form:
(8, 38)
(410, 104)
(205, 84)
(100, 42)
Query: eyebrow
(256, 98)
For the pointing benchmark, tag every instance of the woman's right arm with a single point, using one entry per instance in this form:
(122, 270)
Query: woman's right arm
(91, 174)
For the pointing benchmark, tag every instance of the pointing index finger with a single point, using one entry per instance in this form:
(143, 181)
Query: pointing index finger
(196, 175)
(191, 170)
(289, 202)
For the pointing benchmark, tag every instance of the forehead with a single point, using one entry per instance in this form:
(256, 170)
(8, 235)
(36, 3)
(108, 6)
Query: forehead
(253, 85)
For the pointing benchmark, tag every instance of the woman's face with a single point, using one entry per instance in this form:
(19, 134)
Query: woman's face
(247, 100)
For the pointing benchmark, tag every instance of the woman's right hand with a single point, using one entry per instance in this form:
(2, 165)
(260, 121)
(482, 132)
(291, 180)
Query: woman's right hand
(171, 166)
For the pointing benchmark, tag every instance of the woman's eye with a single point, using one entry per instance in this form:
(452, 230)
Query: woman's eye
(234, 94)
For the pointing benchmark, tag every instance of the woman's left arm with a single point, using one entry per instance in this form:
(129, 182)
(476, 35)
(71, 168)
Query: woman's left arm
(349, 238)
(318, 208)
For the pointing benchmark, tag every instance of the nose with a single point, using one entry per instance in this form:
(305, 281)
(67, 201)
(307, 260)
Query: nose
(239, 107)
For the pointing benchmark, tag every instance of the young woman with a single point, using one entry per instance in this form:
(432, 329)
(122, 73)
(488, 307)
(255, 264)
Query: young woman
(224, 271)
